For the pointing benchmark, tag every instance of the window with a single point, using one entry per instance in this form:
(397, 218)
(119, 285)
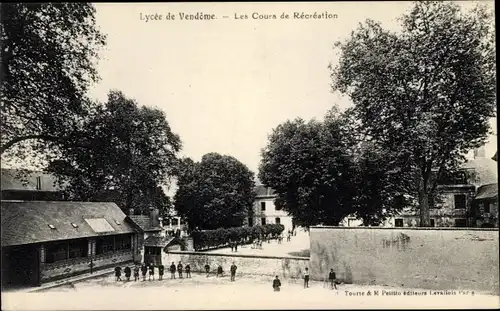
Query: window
(487, 208)
(460, 201)
(432, 223)
(263, 220)
(460, 222)
(104, 245)
(277, 207)
(277, 220)
(56, 252)
(78, 248)
(74, 225)
(51, 226)
(175, 222)
(262, 206)
(166, 222)
(39, 183)
(398, 222)
(250, 221)
(122, 242)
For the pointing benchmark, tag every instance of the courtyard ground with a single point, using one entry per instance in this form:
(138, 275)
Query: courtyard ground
(298, 243)
(248, 292)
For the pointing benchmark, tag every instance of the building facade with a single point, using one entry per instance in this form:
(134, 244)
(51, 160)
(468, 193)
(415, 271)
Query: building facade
(264, 211)
(49, 240)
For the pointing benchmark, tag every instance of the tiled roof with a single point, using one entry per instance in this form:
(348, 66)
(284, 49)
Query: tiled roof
(11, 180)
(487, 192)
(28, 222)
(159, 241)
(143, 222)
(263, 191)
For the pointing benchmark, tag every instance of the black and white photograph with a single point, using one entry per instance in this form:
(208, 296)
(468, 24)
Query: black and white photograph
(249, 155)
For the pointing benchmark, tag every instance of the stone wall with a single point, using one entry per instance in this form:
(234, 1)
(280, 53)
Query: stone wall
(68, 268)
(285, 267)
(437, 258)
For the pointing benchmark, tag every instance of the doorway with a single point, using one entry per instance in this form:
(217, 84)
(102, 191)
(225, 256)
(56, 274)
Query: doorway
(20, 266)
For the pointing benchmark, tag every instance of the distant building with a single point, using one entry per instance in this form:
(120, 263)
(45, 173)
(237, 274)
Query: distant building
(485, 207)
(455, 202)
(29, 186)
(264, 210)
(48, 240)
(154, 237)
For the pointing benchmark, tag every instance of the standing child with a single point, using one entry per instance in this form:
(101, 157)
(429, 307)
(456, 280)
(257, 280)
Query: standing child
(172, 271)
(161, 270)
(136, 273)
(179, 269)
(276, 284)
(207, 269)
(128, 272)
(144, 270)
(151, 272)
(118, 273)
(306, 278)
(188, 271)
(332, 278)
(219, 271)
(233, 272)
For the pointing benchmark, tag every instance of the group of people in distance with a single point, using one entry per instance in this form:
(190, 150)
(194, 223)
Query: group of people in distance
(219, 273)
(144, 269)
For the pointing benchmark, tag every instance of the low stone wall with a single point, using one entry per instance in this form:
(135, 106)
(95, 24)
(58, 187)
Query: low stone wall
(67, 268)
(437, 258)
(285, 267)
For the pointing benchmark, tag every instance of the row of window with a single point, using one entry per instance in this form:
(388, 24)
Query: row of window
(263, 207)
(263, 221)
(459, 222)
(173, 222)
(80, 248)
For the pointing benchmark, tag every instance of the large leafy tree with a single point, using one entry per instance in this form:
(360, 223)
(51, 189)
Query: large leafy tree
(48, 57)
(425, 93)
(121, 152)
(312, 169)
(216, 192)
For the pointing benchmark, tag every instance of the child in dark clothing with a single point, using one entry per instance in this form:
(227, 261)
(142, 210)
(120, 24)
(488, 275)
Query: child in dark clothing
(136, 273)
(333, 279)
(144, 270)
(151, 272)
(276, 284)
(188, 271)
(179, 269)
(118, 273)
(161, 270)
(128, 272)
(207, 269)
(220, 272)
(172, 271)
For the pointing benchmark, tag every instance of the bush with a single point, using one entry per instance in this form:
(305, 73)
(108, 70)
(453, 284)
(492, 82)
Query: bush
(222, 237)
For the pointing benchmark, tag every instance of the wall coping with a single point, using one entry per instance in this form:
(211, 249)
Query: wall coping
(407, 228)
(240, 255)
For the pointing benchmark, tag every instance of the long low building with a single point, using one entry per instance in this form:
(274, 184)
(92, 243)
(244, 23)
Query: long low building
(48, 240)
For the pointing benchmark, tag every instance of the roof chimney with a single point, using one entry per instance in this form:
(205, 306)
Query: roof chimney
(130, 211)
(154, 214)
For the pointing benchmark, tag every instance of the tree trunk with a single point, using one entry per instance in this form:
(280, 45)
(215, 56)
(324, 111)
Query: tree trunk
(423, 202)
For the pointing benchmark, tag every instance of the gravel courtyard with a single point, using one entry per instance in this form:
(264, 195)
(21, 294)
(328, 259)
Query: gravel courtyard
(248, 292)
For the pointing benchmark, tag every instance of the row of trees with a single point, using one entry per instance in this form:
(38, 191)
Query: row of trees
(222, 237)
(422, 97)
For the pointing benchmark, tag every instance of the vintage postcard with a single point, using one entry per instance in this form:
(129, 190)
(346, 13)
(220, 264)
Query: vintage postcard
(175, 156)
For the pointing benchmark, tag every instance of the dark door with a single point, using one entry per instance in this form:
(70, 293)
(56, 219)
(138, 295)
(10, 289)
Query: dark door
(20, 266)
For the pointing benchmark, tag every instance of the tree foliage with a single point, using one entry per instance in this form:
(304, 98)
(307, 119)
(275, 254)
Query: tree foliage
(312, 169)
(121, 152)
(214, 193)
(426, 93)
(48, 58)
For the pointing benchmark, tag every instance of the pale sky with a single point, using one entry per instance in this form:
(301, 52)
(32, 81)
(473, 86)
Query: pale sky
(225, 84)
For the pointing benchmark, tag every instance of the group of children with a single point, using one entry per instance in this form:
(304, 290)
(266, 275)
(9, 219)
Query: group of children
(219, 273)
(151, 268)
